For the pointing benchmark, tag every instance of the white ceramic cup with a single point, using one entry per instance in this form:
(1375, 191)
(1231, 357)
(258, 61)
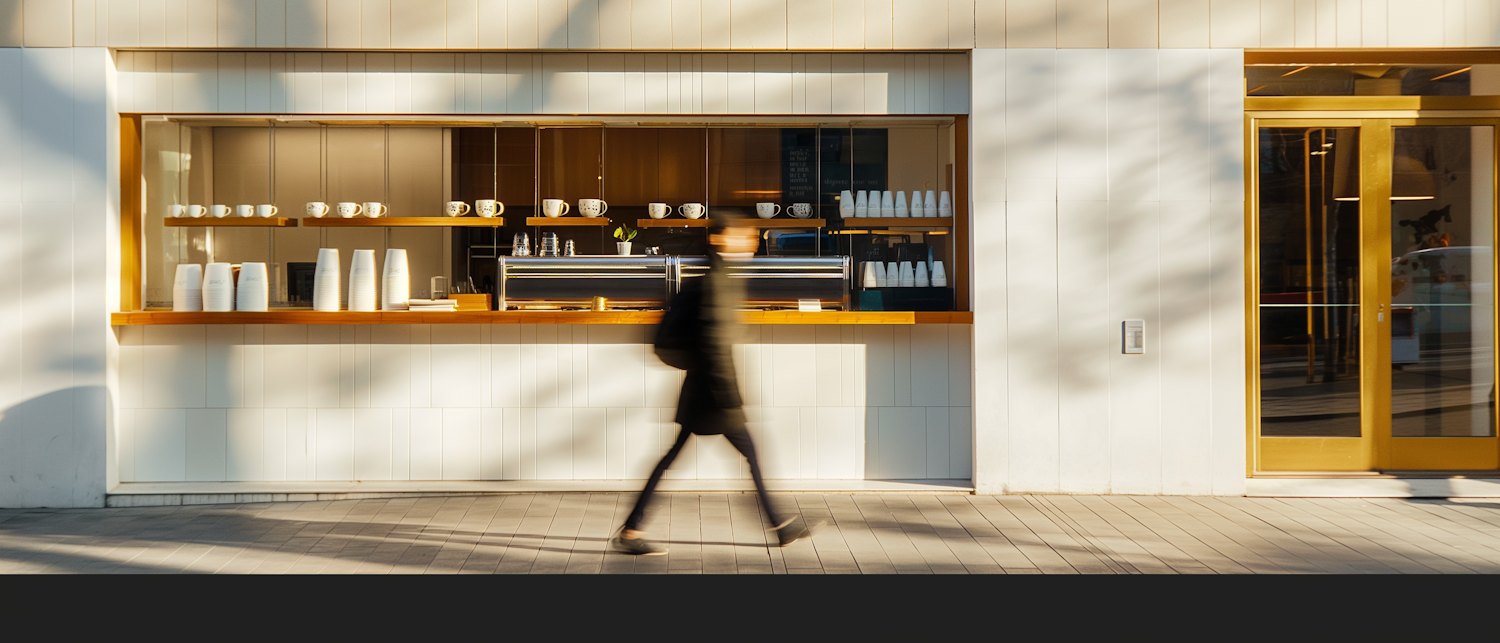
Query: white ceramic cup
(691, 210)
(456, 208)
(196, 211)
(767, 210)
(801, 210)
(244, 211)
(658, 210)
(266, 211)
(317, 209)
(375, 209)
(349, 210)
(592, 207)
(176, 211)
(221, 211)
(555, 207)
(488, 208)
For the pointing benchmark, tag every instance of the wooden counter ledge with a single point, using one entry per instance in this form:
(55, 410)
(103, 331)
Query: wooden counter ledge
(167, 317)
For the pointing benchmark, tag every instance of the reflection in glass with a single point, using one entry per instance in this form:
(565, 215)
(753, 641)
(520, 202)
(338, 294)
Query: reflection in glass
(1442, 370)
(1309, 282)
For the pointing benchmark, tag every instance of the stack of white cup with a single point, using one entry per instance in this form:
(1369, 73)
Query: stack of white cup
(218, 288)
(187, 288)
(907, 277)
(326, 281)
(253, 292)
(395, 281)
(916, 203)
(362, 281)
(939, 275)
(945, 205)
(922, 281)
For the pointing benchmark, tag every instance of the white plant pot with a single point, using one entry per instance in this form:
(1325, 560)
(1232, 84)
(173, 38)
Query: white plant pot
(622, 247)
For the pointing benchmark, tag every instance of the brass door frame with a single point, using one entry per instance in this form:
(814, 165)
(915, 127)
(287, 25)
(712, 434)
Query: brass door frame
(1375, 449)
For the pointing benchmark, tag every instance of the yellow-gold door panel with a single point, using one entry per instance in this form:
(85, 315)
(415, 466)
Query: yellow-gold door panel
(1442, 308)
(1374, 311)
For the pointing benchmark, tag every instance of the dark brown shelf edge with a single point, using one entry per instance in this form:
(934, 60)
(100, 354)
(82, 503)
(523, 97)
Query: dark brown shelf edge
(268, 222)
(890, 222)
(568, 221)
(308, 317)
(406, 222)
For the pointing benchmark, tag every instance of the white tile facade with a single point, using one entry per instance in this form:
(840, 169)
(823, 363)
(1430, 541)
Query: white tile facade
(497, 83)
(1109, 185)
(748, 24)
(59, 254)
(529, 402)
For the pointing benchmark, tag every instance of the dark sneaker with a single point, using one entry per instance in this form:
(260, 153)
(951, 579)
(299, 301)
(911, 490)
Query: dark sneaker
(792, 531)
(636, 546)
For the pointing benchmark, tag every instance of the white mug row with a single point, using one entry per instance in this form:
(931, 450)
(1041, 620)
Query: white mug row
(587, 207)
(486, 208)
(770, 210)
(348, 210)
(264, 211)
(688, 210)
(876, 203)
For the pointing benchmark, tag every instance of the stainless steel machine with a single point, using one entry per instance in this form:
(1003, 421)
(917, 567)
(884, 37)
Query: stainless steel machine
(647, 282)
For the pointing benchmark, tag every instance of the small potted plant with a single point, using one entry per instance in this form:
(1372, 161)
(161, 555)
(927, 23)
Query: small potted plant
(624, 234)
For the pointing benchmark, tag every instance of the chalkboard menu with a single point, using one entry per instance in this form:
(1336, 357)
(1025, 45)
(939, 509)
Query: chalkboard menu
(799, 169)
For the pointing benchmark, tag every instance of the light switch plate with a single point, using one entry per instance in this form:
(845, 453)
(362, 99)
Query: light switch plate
(1134, 336)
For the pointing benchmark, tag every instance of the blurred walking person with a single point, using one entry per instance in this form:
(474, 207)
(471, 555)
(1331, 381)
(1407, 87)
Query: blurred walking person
(697, 334)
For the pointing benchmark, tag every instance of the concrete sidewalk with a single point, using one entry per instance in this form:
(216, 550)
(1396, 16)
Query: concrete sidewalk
(722, 534)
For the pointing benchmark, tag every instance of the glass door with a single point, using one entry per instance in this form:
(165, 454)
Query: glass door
(1441, 300)
(1375, 315)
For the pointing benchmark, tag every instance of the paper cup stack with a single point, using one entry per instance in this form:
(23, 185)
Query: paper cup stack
(906, 275)
(362, 281)
(253, 293)
(187, 288)
(395, 281)
(218, 288)
(326, 281)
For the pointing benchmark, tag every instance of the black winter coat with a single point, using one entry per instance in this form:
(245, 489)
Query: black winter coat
(702, 324)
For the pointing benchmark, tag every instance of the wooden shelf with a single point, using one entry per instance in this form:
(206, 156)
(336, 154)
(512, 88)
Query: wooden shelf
(597, 222)
(671, 223)
(905, 222)
(405, 222)
(236, 222)
(303, 316)
(781, 223)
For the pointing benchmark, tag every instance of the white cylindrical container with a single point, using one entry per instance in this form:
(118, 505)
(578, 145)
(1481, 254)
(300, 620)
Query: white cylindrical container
(922, 281)
(901, 211)
(887, 204)
(362, 281)
(326, 281)
(880, 280)
(907, 275)
(187, 288)
(218, 288)
(945, 204)
(867, 275)
(846, 204)
(892, 275)
(253, 292)
(916, 203)
(939, 275)
(395, 281)
(929, 204)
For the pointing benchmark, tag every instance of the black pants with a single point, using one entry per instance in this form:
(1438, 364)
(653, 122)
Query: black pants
(733, 429)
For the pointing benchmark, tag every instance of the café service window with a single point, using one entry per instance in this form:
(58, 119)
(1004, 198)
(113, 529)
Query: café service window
(872, 206)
